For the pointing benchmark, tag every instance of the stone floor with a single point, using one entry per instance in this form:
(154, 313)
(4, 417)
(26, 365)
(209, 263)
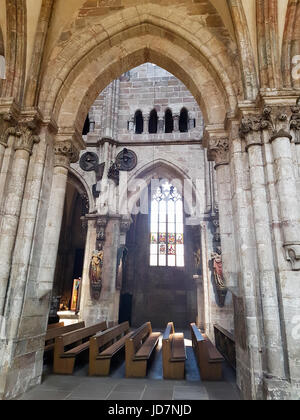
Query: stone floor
(80, 386)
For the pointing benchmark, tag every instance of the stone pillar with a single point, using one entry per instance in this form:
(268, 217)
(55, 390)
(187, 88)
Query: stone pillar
(287, 193)
(279, 121)
(25, 139)
(64, 154)
(146, 123)
(239, 256)
(25, 237)
(273, 340)
(176, 122)
(219, 153)
(161, 123)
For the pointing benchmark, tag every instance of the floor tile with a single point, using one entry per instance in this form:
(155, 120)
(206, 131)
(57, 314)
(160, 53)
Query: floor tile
(158, 394)
(123, 396)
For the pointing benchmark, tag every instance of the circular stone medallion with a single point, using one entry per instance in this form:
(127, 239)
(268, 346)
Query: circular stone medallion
(126, 160)
(89, 162)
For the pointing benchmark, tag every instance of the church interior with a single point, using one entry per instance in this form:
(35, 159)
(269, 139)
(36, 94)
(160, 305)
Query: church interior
(149, 199)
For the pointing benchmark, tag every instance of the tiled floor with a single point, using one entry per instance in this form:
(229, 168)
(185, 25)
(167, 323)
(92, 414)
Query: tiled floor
(80, 386)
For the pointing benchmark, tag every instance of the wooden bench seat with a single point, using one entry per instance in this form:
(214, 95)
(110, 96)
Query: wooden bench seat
(103, 347)
(174, 355)
(64, 359)
(57, 325)
(52, 333)
(208, 357)
(138, 350)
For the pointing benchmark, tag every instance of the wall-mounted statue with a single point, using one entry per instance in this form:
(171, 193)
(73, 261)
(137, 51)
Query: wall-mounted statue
(221, 288)
(96, 266)
(198, 261)
(114, 173)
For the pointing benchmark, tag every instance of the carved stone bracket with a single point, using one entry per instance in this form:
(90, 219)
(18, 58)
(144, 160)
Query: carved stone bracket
(293, 254)
(101, 228)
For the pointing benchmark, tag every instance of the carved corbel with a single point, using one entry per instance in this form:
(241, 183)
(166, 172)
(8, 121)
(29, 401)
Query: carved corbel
(101, 229)
(292, 251)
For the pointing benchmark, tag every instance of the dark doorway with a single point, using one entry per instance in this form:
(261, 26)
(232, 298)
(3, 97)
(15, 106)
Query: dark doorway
(125, 308)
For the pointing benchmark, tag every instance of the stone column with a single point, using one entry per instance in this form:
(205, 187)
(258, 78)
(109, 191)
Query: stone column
(272, 340)
(239, 256)
(25, 237)
(64, 154)
(277, 121)
(146, 123)
(25, 139)
(219, 153)
(176, 122)
(160, 123)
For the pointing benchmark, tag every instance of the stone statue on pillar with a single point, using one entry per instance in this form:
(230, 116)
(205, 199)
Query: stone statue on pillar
(218, 277)
(96, 273)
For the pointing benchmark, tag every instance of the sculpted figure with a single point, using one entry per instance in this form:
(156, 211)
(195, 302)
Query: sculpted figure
(96, 273)
(218, 270)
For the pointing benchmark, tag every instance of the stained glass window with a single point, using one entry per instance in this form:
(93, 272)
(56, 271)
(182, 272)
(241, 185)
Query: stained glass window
(167, 234)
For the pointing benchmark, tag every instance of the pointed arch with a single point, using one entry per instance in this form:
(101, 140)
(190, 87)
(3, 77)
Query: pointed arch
(169, 122)
(153, 122)
(139, 122)
(93, 57)
(184, 121)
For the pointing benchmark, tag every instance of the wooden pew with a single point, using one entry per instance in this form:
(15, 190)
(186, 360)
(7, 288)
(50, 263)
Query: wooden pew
(104, 346)
(56, 332)
(138, 350)
(208, 358)
(64, 359)
(57, 325)
(173, 352)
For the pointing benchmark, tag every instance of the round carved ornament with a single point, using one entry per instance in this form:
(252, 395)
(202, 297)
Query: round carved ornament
(126, 160)
(89, 162)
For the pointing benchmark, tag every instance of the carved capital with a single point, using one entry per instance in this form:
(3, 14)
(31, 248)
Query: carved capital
(65, 153)
(7, 128)
(26, 136)
(218, 150)
(250, 130)
(280, 121)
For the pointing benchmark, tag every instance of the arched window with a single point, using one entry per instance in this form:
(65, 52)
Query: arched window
(167, 235)
(153, 122)
(86, 127)
(139, 122)
(183, 121)
(169, 123)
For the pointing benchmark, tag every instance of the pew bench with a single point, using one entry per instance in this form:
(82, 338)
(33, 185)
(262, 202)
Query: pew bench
(104, 346)
(57, 325)
(208, 357)
(52, 333)
(138, 350)
(64, 356)
(174, 354)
